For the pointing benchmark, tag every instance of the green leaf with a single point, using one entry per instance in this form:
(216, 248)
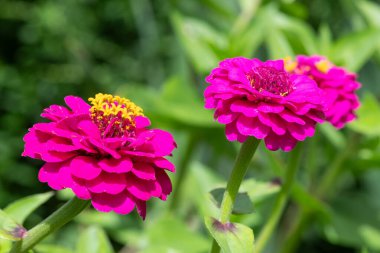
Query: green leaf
(231, 237)
(335, 137)
(5, 246)
(308, 201)
(48, 248)
(259, 190)
(198, 38)
(279, 46)
(180, 239)
(22, 208)
(301, 30)
(10, 229)
(354, 50)
(368, 116)
(93, 240)
(242, 205)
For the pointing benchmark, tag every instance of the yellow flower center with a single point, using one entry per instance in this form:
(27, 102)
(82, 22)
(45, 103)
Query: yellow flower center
(290, 65)
(113, 115)
(323, 66)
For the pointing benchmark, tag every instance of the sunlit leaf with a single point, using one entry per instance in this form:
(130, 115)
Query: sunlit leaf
(368, 116)
(231, 237)
(259, 190)
(10, 229)
(22, 208)
(48, 248)
(93, 240)
(180, 239)
(242, 205)
(198, 39)
(354, 49)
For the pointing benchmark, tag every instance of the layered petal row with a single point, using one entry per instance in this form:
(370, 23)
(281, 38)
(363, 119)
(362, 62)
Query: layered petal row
(260, 99)
(119, 167)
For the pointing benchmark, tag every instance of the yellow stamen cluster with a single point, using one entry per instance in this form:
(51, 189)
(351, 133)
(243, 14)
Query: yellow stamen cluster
(323, 66)
(113, 114)
(290, 65)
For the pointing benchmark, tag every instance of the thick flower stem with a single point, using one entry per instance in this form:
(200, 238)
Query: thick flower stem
(182, 172)
(281, 200)
(238, 172)
(52, 223)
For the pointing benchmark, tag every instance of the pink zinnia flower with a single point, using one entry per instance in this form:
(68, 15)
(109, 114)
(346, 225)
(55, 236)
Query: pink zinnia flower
(104, 152)
(338, 85)
(260, 99)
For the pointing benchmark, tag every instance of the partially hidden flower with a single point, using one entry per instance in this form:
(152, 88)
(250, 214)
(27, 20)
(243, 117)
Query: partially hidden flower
(104, 152)
(260, 99)
(339, 86)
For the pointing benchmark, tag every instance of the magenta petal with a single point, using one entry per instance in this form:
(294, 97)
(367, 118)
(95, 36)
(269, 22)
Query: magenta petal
(61, 144)
(144, 171)
(252, 127)
(141, 208)
(77, 104)
(164, 164)
(84, 167)
(162, 142)
(231, 132)
(49, 173)
(55, 112)
(107, 183)
(165, 183)
(285, 142)
(112, 165)
(245, 107)
(274, 122)
(270, 107)
(120, 203)
(55, 157)
(143, 189)
(142, 122)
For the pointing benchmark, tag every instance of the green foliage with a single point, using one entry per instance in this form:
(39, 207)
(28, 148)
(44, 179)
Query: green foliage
(231, 237)
(157, 53)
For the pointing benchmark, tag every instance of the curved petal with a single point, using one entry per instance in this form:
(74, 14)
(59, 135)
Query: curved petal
(85, 167)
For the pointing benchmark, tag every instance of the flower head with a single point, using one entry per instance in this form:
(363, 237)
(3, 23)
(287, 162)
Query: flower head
(260, 99)
(104, 152)
(338, 85)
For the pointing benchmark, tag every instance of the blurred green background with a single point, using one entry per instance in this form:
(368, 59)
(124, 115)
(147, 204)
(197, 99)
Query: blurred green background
(157, 53)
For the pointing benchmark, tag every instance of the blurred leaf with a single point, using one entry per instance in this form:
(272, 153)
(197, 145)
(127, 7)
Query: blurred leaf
(199, 39)
(370, 11)
(93, 240)
(325, 40)
(5, 246)
(278, 45)
(231, 237)
(335, 137)
(10, 229)
(355, 217)
(47, 248)
(302, 31)
(242, 205)
(355, 49)
(308, 201)
(180, 239)
(247, 41)
(259, 190)
(368, 116)
(22, 208)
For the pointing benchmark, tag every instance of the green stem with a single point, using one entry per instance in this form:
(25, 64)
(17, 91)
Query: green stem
(182, 172)
(52, 223)
(281, 200)
(238, 172)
